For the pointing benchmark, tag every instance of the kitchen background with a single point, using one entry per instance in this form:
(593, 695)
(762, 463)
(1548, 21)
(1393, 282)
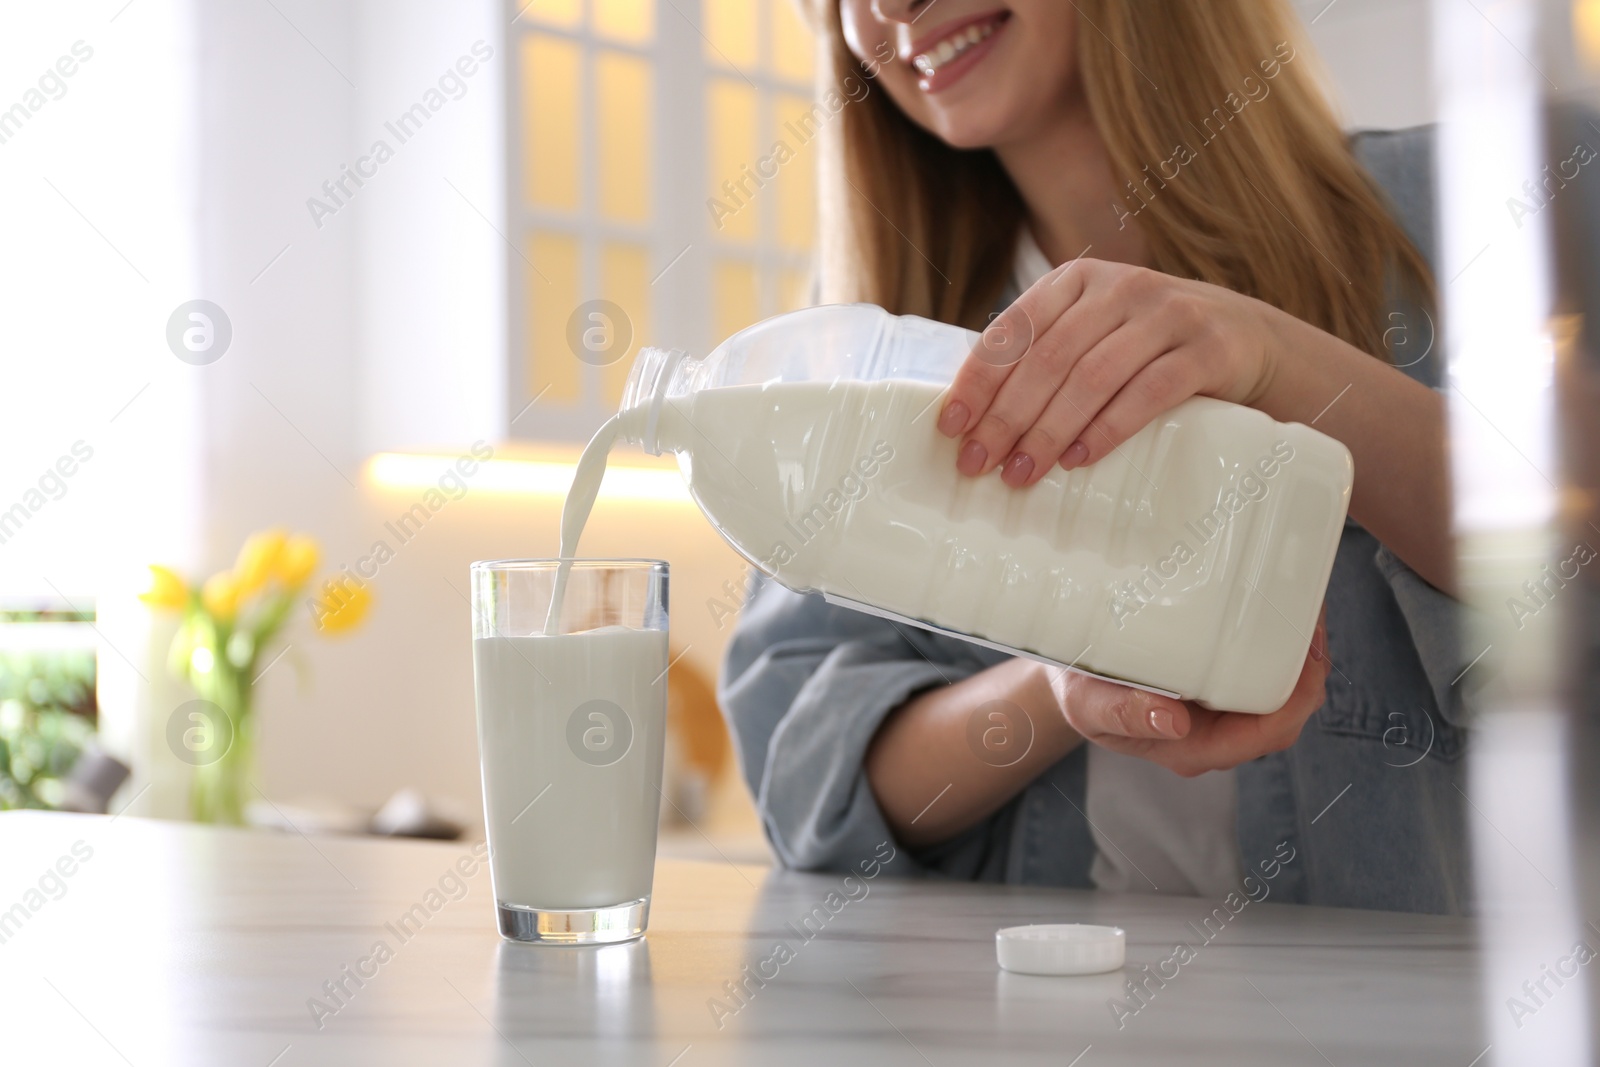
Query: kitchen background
(375, 313)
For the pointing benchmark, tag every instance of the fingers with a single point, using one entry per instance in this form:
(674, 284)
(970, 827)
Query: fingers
(986, 368)
(1040, 379)
(1001, 348)
(1098, 371)
(1099, 709)
(1093, 379)
(1120, 719)
(1219, 740)
(1085, 359)
(1311, 689)
(1157, 387)
(1235, 737)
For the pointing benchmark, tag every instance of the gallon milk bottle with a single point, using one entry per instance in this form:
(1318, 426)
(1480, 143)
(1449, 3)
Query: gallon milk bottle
(1191, 560)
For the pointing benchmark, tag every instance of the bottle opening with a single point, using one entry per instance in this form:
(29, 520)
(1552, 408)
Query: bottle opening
(645, 391)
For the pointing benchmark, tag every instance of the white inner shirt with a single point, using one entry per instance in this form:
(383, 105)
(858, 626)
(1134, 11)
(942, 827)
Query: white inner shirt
(1154, 832)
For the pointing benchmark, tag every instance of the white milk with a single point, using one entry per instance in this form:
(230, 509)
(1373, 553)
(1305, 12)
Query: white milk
(572, 831)
(575, 511)
(1193, 559)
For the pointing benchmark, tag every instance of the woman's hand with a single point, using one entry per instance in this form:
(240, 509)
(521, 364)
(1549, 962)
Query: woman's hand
(1180, 736)
(1091, 354)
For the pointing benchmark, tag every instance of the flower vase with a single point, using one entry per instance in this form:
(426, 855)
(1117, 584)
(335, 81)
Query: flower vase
(222, 781)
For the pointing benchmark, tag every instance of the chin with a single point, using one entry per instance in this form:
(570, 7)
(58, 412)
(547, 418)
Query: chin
(990, 107)
(968, 133)
(990, 116)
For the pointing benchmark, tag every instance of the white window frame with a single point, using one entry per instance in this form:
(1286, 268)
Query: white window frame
(679, 238)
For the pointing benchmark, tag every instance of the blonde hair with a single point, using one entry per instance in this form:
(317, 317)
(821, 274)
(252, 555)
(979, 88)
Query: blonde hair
(1265, 197)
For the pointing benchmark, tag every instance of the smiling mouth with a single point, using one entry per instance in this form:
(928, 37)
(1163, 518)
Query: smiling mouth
(936, 55)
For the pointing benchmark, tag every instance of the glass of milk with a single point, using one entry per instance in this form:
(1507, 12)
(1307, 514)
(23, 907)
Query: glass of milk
(570, 664)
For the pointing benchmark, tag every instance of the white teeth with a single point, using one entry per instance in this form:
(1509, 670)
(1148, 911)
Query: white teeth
(929, 61)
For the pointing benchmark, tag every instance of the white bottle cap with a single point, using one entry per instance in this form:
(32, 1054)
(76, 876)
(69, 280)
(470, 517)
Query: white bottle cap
(1064, 948)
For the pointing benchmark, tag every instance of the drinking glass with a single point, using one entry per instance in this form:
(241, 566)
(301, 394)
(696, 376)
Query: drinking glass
(572, 711)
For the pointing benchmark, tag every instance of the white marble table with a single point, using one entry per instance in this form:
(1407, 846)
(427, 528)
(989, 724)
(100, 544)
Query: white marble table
(171, 944)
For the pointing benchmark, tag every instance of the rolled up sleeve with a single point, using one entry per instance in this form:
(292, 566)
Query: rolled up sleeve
(805, 686)
(1435, 620)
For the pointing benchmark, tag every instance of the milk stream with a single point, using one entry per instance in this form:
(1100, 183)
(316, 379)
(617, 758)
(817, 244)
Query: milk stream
(571, 729)
(1192, 559)
(575, 512)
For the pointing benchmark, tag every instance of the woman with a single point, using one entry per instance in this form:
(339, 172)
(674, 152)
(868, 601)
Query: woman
(1161, 201)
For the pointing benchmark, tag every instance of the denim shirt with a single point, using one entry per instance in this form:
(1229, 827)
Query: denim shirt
(1368, 798)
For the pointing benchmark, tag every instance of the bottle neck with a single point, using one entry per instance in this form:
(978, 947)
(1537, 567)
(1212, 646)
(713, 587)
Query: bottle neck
(644, 394)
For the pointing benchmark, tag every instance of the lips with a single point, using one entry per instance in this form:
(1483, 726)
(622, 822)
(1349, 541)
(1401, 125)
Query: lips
(945, 54)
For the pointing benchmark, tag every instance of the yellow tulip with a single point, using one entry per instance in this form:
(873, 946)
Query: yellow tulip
(167, 590)
(258, 560)
(220, 595)
(344, 603)
(297, 560)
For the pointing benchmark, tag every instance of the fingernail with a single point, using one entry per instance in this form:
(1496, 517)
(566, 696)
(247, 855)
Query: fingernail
(1074, 455)
(1018, 469)
(1161, 722)
(954, 418)
(973, 457)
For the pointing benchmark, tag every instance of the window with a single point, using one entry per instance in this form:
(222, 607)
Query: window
(662, 189)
